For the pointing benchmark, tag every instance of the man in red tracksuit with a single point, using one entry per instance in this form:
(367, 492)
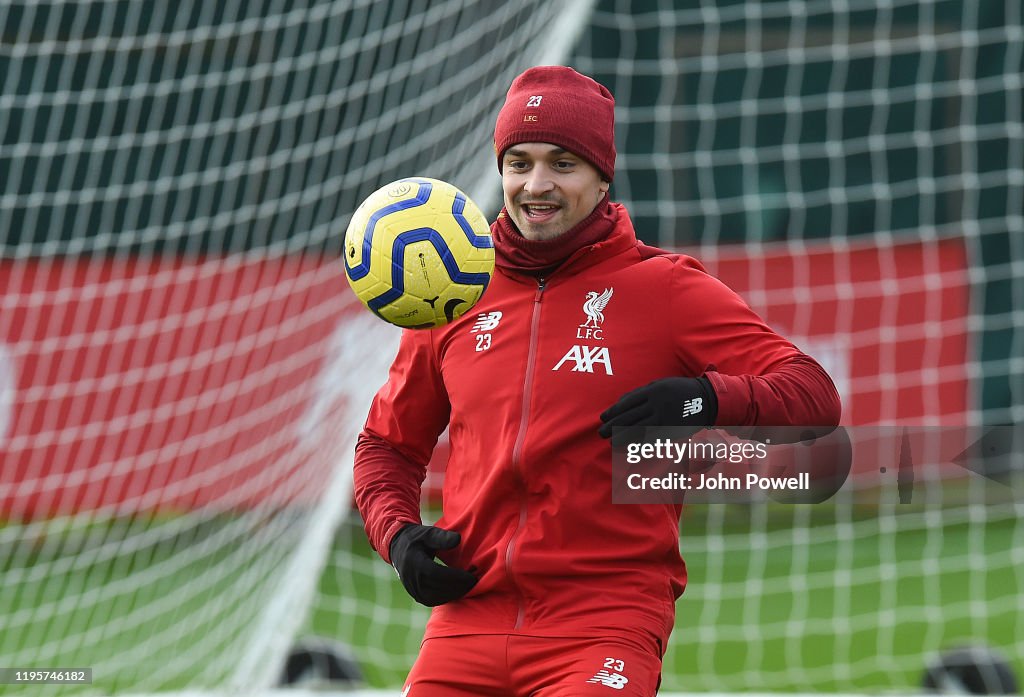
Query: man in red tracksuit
(547, 588)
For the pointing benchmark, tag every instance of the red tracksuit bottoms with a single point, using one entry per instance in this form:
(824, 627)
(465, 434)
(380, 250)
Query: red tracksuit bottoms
(513, 665)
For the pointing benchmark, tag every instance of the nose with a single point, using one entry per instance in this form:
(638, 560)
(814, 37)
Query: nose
(538, 181)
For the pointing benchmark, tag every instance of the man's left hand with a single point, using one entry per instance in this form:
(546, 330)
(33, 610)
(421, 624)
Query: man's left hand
(665, 402)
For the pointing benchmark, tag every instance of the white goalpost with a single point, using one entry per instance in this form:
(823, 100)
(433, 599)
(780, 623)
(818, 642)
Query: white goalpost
(183, 371)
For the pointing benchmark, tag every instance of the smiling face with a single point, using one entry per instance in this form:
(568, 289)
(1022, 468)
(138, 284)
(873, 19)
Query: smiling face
(548, 189)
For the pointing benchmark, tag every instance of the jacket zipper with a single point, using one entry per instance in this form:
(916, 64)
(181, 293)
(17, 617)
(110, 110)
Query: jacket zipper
(517, 449)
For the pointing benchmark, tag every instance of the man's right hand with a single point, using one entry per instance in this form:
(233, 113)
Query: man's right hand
(429, 583)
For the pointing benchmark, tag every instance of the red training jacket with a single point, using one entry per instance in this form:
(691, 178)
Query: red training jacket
(520, 382)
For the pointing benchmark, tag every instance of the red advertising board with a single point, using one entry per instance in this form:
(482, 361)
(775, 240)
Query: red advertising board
(889, 321)
(140, 385)
(148, 385)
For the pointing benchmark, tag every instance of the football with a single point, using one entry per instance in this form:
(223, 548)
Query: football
(418, 253)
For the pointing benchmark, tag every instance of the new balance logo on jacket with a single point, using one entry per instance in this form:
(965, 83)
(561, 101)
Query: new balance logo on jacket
(486, 321)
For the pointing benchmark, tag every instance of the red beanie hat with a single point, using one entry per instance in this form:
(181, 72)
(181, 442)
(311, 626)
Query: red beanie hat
(557, 105)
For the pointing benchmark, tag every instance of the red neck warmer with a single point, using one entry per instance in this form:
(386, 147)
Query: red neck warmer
(536, 257)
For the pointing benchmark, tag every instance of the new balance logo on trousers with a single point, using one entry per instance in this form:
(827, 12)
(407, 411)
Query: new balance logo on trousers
(612, 680)
(520, 665)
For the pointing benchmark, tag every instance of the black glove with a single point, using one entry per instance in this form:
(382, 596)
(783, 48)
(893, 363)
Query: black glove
(429, 583)
(665, 402)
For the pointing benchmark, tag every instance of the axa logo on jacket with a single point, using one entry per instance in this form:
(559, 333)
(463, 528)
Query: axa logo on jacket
(584, 357)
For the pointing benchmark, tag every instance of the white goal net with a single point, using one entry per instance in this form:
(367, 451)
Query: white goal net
(183, 372)
(182, 369)
(855, 168)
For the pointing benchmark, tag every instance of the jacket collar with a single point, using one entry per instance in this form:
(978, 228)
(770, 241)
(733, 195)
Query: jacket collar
(619, 238)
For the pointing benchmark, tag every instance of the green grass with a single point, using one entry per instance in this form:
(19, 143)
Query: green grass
(808, 623)
(817, 619)
(78, 600)
(794, 636)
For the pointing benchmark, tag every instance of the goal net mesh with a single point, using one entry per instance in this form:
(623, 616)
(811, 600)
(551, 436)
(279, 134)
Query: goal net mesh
(182, 369)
